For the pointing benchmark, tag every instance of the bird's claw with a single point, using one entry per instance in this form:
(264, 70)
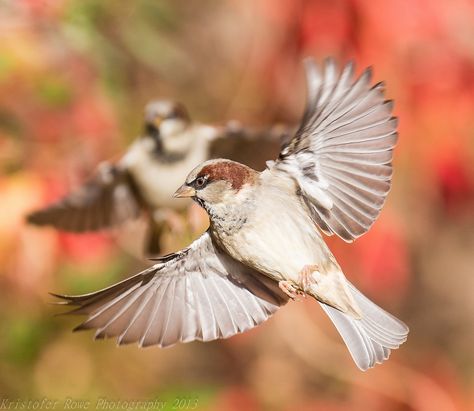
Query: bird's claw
(305, 278)
(290, 290)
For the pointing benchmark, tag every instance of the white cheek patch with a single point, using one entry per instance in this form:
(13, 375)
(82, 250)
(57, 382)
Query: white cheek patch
(218, 192)
(174, 136)
(171, 126)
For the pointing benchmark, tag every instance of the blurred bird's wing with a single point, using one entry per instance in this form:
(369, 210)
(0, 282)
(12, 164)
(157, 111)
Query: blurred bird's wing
(341, 156)
(199, 293)
(107, 200)
(248, 145)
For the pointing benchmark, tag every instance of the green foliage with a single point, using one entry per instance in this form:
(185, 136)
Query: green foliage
(187, 398)
(53, 91)
(24, 338)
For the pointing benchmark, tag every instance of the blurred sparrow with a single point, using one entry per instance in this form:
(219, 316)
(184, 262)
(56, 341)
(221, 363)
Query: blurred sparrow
(263, 246)
(145, 178)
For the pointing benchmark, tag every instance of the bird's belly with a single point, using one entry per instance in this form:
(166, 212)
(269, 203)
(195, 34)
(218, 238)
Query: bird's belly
(158, 183)
(281, 247)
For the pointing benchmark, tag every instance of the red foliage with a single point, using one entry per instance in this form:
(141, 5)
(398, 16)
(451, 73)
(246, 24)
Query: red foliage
(235, 399)
(85, 248)
(454, 181)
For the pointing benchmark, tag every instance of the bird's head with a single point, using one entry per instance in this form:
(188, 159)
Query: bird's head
(218, 184)
(165, 122)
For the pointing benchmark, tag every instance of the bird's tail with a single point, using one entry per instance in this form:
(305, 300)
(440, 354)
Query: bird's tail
(370, 338)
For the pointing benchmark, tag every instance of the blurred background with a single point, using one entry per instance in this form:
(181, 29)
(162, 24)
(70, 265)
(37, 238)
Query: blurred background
(74, 78)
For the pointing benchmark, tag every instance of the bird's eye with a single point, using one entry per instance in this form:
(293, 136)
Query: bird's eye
(200, 181)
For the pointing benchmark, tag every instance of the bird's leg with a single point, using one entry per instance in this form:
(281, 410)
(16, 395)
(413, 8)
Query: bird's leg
(305, 280)
(305, 277)
(290, 290)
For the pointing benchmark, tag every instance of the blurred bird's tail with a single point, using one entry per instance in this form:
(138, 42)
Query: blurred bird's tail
(370, 338)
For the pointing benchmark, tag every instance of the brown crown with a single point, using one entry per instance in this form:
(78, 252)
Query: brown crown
(236, 174)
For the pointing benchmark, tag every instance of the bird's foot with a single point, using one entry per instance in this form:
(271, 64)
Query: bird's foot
(306, 278)
(290, 290)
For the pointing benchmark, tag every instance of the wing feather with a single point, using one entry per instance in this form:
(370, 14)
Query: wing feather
(107, 200)
(209, 327)
(341, 156)
(138, 321)
(199, 293)
(151, 333)
(221, 310)
(171, 303)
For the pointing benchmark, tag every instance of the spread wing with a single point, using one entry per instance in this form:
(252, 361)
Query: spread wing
(341, 156)
(199, 293)
(107, 200)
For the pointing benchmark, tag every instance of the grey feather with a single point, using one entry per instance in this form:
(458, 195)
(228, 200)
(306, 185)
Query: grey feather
(341, 155)
(108, 199)
(370, 338)
(199, 293)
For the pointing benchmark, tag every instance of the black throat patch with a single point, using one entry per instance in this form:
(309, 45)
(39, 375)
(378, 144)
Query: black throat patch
(159, 151)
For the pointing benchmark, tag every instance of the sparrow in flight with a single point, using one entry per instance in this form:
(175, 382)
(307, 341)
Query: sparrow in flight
(264, 244)
(144, 179)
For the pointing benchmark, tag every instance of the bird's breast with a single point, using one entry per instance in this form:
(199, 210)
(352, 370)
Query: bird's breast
(278, 239)
(158, 180)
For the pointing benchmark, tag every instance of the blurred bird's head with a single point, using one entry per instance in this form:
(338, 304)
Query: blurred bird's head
(166, 123)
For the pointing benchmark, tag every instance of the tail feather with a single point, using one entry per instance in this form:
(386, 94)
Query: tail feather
(370, 338)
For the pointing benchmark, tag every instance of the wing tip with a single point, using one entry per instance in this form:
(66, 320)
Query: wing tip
(38, 217)
(31, 217)
(65, 299)
(367, 74)
(389, 104)
(329, 62)
(349, 69)
(380, 86)
(309, 61)
(81, 327)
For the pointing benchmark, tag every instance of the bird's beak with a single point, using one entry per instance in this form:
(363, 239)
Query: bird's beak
(184, 191)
